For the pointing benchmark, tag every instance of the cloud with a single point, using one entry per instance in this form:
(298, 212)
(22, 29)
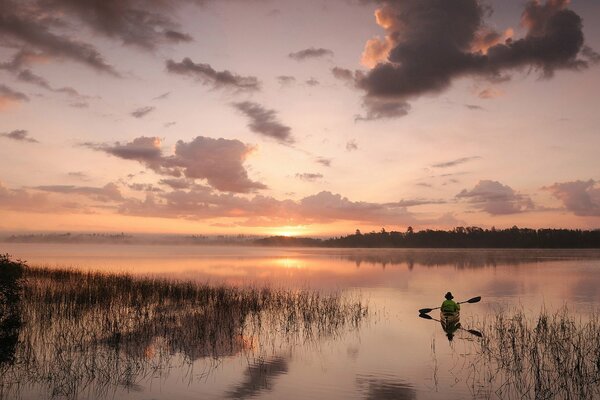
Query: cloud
(474, 107)
(209, 76)
(286, 80)
(162, 96)
(377, 108)
(142, 111)
(311, 52)
(175, 183)
(9, 97)
(107, 193)
(496, 198)
(265, 122)
(351, 145)
(582, 198)
(134, 22)
(430, 43)
(19, 135)
(326, 162)
(218, 161)
(456, 162)
(29, 77)
(175, 36)
(309, 177)
(143, 149)
(201, 202)
(23, 200)
(342, 74)
(312, 82)
(29, 24)
(489, 93)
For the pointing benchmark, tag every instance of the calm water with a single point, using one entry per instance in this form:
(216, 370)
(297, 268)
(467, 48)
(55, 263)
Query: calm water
(393, 355)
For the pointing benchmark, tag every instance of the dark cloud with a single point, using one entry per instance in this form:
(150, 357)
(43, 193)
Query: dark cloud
(142, 111)
(309, 177)
(310, 53)
(265, 122)
(342, 74)
(209, 76)
(177, 37)
(377, 108)
(496, 198)
(218, 161)
(169, 124)
(326, 162)
(286, 79)
(30, 23)
(162, 96)
(9, 97)
(351, 145)
(19, 135)
(582, 198)
(175, 183)
(144, 187)
(27, 76)
(453, 163)
(312, 82)
(143, 23)
(79, 104)
(108, 193)
(433, 42)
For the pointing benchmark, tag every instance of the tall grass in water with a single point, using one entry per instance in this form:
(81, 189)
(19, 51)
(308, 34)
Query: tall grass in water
(551, 356)
(93, 333)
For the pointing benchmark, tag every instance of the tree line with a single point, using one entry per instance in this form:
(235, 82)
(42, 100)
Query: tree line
(459, 237)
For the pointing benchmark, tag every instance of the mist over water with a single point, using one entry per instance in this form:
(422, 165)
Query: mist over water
(391, 354)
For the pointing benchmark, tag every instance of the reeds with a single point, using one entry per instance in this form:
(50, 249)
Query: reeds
(551, 356)
(93, 333)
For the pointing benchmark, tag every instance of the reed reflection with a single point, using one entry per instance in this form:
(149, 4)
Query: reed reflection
(99, 333)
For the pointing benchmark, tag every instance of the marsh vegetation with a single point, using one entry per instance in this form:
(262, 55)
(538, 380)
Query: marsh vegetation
(549, 356)
(67, 334)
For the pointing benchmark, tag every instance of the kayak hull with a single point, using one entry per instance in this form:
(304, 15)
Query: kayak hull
(450, 320)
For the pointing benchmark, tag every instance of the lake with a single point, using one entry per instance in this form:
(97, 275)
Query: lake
(392, 354)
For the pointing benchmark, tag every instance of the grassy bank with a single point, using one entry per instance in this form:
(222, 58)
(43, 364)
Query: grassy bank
(74, 332)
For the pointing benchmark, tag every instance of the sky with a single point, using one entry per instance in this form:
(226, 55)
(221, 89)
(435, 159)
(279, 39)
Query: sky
(284, 117)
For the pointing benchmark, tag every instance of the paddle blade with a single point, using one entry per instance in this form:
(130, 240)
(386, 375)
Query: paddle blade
(425, 310)
(425, 316)
(474, 300)
(474, 332)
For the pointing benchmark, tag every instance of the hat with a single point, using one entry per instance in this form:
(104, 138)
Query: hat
(449, 296)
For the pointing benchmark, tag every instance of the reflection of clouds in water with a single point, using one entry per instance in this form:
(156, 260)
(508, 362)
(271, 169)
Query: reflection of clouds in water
(385, 388)
(352, 352)
(259, 377)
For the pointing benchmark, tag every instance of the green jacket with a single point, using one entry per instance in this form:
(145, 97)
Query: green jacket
(450, 306)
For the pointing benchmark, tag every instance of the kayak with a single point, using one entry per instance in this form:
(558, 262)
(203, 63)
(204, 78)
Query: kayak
(450, 320)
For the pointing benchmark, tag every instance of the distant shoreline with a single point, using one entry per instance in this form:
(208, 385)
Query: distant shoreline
(457, 238)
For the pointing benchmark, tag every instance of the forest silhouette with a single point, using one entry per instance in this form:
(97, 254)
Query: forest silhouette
(459, 237)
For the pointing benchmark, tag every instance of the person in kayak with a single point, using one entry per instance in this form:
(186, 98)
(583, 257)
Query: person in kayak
(449, 305)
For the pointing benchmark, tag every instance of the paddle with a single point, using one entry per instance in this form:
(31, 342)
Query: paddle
(471, 331)
(428, 310)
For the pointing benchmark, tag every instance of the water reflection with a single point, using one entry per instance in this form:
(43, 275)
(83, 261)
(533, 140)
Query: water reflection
(385, 388)
(259, 376)
(10, 310)
(97, 334)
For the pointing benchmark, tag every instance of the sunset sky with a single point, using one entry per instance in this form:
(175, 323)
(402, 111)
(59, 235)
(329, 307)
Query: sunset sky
(311, 117)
